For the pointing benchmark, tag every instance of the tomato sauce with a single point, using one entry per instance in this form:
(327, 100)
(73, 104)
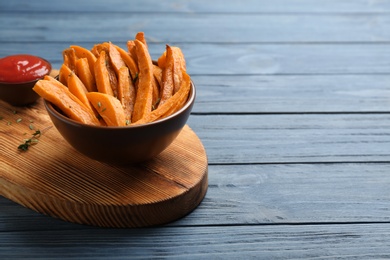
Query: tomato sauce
(23, 68)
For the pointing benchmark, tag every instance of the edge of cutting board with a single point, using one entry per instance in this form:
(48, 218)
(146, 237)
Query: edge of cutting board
(54, 179)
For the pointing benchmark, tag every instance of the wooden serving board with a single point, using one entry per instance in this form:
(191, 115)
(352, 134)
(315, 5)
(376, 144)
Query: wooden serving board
(54, 179)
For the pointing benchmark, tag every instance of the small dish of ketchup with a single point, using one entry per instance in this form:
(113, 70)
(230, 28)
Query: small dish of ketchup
(18, 75)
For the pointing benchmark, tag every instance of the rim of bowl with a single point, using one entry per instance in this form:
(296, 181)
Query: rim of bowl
(30, 81)
(190, 100)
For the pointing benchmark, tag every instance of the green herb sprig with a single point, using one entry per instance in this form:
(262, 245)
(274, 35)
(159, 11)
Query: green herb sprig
(135, 78)
(31, 141)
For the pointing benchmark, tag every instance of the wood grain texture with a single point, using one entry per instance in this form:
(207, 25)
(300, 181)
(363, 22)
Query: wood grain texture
(292, 94)
(292, 108)
(202, 6)
(252, 59)
(308, 138)
(249, 195)
(355, 241)
(284, 28)
(53, 178)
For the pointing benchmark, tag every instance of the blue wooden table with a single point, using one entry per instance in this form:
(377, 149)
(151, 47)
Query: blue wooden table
(293, 109)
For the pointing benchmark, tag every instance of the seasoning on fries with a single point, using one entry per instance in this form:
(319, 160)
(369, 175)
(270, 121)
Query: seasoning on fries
(111, 86)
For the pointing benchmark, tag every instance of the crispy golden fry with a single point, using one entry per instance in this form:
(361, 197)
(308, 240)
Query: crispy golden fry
(167, 78)
(98, 48)
(109, 108)
(85, 53)
(118, 87)
(77, 88)
(113, 78)
(156, 93)
(143, 101)
(171, 106)
(58, 94)
(157, 72)
(177, 69)
(182, 97)
(162, 59)
(132, 51)
(129, 62)
(53, 80)
(141, 37)
(105, 47)
(176, 106)
(64, 74)
(115, 58)
(84, 73)
(126, 92)
(172, 59)
(70, 58)
(180, 54)
(101, 75)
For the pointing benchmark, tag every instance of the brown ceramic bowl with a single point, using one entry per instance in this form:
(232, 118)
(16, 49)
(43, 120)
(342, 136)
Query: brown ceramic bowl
(20, 93)
(122, 145)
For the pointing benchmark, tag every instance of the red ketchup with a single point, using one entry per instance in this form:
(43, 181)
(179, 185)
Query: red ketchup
(22, 68)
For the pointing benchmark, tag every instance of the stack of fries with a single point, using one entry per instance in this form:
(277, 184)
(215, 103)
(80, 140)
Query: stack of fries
(110, 86)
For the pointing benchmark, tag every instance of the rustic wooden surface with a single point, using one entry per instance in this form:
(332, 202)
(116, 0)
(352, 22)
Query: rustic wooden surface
(54, 179)
(292, 108)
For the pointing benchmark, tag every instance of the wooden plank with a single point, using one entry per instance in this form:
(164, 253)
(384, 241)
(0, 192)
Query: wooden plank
(264, 194)
(250, 59)
(14, 217)
(191, 6)
(271, 59)
(269, 28)
(292, 94)
(293, 194)
(230, 139)
(353, 241)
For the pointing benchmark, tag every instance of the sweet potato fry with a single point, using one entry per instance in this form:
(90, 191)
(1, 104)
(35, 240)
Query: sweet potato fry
(181, 98)
(156, 93)
(157, 73)
(126, 92)
(84, 73)
(115, 87)
(113, 79)
(162, 59)
(64, 73)
(70, 58)
(109, 108)
(98, 48)
(105, 47)
(129, 62)
(176, 106)
(180, 54)
(132, 51)
(172, 105)
(77, 88)
(167, 77)
(101, 75)
(53, 80)
(115, 58)
(141, 37)
(69, 104)
(143, 101)
(85, 53)
(177, 70)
